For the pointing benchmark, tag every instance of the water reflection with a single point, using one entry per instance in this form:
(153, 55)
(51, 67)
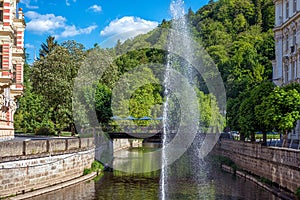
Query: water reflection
(136, 160)
(184, 183)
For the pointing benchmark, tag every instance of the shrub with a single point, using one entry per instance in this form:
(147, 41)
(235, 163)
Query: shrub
(297, 193)
(44, 131)
(87, 171)
(95, 167)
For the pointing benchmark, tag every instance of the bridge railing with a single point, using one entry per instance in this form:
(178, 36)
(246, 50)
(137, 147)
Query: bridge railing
(117, 129)
(152, 128)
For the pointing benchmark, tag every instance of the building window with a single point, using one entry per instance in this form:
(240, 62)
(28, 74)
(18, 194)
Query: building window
(294, 37)
(286, 73)
(1, 11)
(293, 70)
(14, 73)
(293, 47)
(15, 38)
(1, 50)
(287, 5)
(286, 43)
(294, 6)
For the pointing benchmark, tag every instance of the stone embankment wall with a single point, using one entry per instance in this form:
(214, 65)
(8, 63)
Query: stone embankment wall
(35, 164)
(120, 144)
(280, 165)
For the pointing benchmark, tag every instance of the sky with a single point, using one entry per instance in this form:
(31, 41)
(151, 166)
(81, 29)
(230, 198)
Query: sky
(92, 21)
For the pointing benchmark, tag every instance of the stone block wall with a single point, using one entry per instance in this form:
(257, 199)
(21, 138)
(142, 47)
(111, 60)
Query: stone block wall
(35, 147)
(31, 165)
(10, 149)
(119, 144)
(6, 133)
(280, 165)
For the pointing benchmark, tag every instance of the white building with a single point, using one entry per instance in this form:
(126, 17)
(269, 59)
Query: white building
(286, 67)
(12, 27)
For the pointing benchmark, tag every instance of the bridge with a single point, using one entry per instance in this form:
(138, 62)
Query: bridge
(135, 132)
(127, 131)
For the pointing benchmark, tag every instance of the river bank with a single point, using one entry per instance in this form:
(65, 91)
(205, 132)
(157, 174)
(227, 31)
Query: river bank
(190, 178)
(26, 166)
(277, 166)
(280, 193)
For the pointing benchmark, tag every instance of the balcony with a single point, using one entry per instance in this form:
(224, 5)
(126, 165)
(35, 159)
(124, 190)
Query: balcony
(5, 77)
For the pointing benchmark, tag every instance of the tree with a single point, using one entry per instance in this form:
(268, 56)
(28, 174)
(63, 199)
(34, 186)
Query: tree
(250, 121)
(32, 113)
(47, 47)
(209, 111)
(53, 79)
(103, 103)
(136, 94)
(281, 109)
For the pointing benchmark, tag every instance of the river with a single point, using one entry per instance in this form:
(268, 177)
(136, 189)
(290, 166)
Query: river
(186, 182)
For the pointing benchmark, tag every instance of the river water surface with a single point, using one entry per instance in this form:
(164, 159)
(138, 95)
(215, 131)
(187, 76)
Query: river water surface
(207, 182)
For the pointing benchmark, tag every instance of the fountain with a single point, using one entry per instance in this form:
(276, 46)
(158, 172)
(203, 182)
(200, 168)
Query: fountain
(178, 41)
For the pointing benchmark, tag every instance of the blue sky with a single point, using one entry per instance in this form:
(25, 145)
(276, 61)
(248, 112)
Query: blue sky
(92, 21)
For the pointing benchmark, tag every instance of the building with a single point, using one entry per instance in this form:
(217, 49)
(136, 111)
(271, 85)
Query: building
(286, 67)
(12, 26)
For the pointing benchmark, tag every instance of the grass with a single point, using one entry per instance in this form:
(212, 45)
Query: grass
(269, 136)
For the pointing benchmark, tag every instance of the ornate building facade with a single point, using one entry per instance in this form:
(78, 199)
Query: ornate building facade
(12, 26)
(286, 66)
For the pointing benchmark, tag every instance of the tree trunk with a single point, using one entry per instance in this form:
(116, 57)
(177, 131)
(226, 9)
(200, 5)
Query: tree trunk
(264, 143)
(252, 136)
(242, 136)
(73, 129)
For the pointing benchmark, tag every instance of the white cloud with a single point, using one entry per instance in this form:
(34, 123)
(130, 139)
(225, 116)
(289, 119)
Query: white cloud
(68, 3)
(27, 4)
(29, 46)
(128, 26)
(95, 8)
(44, 23)
(55, 25)
(70, 31)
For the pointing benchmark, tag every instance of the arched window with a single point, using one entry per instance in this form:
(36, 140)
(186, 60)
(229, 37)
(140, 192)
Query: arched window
(287, 9)
(1, 11)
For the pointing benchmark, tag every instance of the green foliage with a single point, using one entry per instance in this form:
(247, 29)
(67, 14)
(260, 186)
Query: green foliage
(249, 121)
(48, 96)
(44, 131)
(280, 109)
(95, 167)
(297, 192)
(236, 33)
(209, 111)
(47, 47)
(103, 103)
(136, 95)
(33, 113)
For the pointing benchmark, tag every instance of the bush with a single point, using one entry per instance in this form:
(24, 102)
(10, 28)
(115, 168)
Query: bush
(87, 171)
(297, 193)
(44, 131)
(95, 167)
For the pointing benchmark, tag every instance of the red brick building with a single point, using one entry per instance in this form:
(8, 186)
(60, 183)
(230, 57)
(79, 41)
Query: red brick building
(12, 26)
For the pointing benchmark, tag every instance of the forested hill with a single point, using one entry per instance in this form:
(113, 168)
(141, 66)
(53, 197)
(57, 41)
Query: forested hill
(237, 34)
